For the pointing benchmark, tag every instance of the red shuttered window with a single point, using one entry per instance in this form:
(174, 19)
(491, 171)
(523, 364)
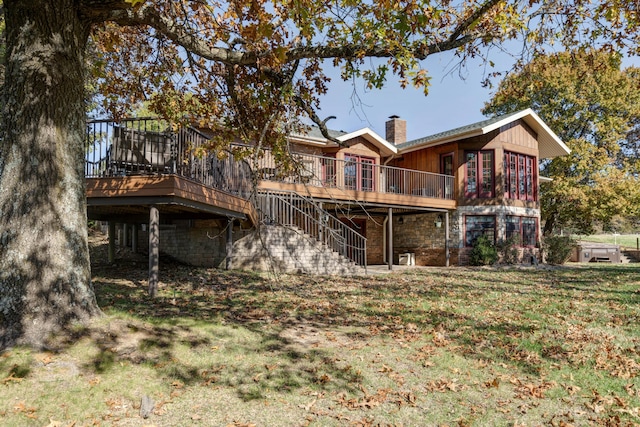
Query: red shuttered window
(519, 173)
(479, 176)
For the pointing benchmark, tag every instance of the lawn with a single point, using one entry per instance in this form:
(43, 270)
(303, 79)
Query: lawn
(434, 347)
(629, 241)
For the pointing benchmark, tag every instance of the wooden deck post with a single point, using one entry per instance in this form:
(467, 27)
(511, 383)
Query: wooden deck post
(390, 239)
(134, 238)
(112, 241)
(119, 234)
(446, 239)
(229, 245)
(125, 235)
(154, 250)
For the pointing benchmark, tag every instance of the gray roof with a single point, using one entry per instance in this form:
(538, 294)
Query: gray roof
(314, 132)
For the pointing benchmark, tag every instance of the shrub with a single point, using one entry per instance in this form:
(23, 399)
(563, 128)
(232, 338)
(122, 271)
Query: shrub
(557, 249)
(483, 252)
(508, 251)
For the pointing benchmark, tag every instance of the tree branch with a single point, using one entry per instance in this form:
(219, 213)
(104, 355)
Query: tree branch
(465, 25)
(322, 124)
(99, 10)
(179, 34)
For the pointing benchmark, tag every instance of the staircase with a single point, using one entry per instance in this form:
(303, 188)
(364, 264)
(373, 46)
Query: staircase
(296, 235)
(629, 256)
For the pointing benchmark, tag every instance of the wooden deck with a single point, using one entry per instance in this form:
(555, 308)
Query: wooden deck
(129, 197)
(392, 200)
(175, 196)
(130, 167)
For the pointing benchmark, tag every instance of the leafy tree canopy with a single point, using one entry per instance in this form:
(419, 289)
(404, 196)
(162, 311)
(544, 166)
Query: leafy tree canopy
(594, 107)
(255, 67)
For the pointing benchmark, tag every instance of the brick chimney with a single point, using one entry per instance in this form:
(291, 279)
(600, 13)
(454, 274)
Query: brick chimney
(396, 130)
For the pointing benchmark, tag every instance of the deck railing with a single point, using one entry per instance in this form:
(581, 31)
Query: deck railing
(329, 172)
(148, 146)
(292, 210)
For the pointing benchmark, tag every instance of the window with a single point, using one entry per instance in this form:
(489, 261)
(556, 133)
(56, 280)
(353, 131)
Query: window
(358, 172)
(478, 225)
(329, 172)
(529, 232)
(479, 174)
(446, 164)
(519, 176)
(523, 229)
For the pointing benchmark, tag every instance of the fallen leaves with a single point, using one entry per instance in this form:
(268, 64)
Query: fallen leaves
(27, 411)
(444, 385)
(55, 423)
(456, 345)
(495, 383)
(44, 358)
(440, 339)
(572, 389)
(11, 378)
(531, 389)
(367, 401)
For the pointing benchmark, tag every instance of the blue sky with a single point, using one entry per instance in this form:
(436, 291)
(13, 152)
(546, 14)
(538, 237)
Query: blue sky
(455, 99)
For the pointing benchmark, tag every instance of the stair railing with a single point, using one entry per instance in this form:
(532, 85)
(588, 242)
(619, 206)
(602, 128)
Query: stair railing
(292, 210)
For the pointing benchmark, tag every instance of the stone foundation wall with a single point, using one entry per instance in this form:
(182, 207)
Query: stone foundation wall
(418, 234)
(200, 243)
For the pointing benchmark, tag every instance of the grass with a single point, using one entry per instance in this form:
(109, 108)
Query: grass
(455, 347)
(629, 241)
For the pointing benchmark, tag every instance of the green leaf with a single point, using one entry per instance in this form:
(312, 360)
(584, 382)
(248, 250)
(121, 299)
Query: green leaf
(134, 2)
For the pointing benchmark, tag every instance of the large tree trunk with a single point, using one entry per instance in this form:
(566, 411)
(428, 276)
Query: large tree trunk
(45, 278)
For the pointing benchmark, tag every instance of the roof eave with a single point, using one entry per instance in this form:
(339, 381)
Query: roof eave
(440, 141)
(549, 144)
(373, 138)
(303, 139)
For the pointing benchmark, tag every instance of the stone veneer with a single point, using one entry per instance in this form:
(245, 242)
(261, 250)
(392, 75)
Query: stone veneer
(419, 235)
(202, 242)
(199, 242)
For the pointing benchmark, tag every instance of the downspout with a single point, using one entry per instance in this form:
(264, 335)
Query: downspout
(393, 156)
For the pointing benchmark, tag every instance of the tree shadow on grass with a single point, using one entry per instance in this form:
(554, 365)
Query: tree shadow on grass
(269, 335)
(196, 311)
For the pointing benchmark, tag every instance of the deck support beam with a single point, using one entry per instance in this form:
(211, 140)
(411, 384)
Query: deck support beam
(112, 242)
(390, 239)
(229, 245)
(154, 250)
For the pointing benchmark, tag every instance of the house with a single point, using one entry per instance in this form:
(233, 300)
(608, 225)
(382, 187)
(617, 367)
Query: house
(363, 200)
